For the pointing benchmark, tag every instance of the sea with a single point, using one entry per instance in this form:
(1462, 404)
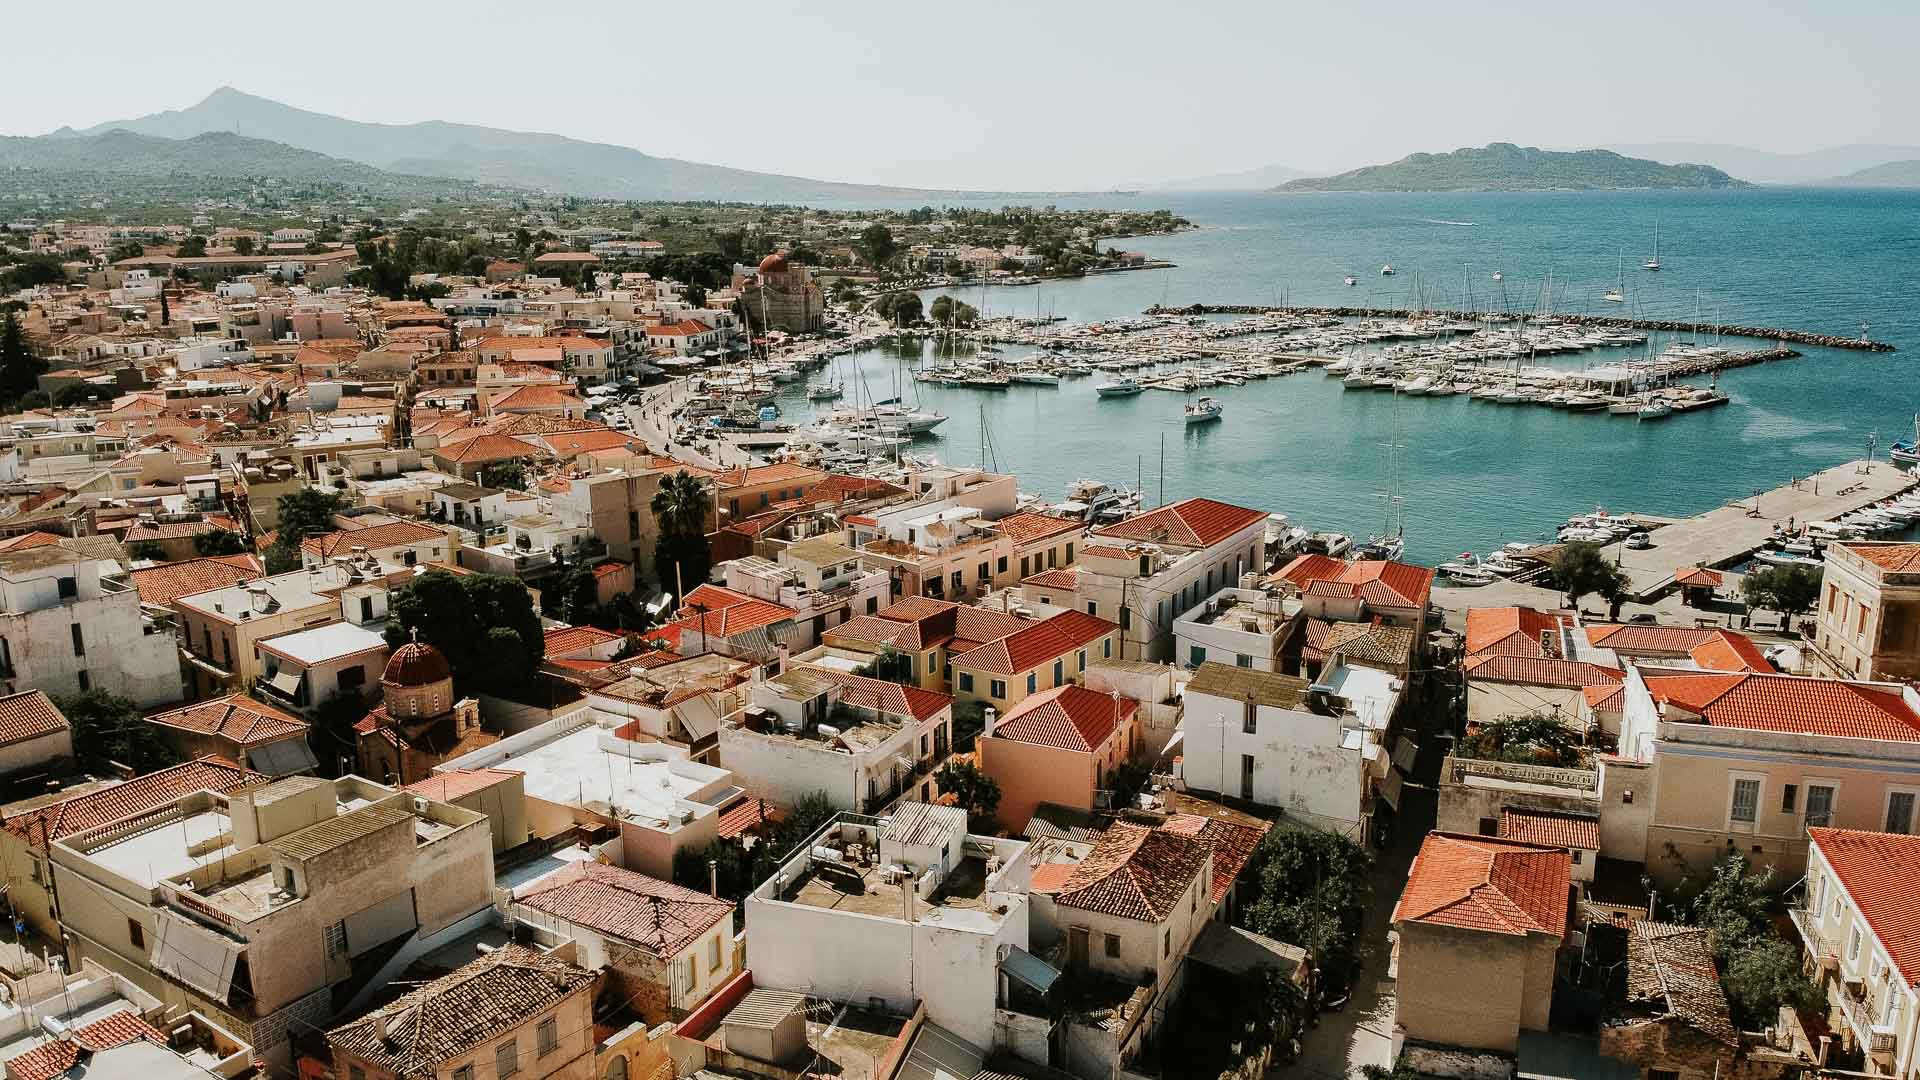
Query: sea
(1469, 475)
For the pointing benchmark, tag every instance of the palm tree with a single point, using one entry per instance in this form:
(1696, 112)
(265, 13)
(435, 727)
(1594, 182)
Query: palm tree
(681, 557)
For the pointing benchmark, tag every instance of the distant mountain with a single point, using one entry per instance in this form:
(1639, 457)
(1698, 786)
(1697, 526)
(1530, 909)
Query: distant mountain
(1506, 167)
(528, 159)
(1894, 174)
(1260, 179)
(1765, 167)
(215, 154)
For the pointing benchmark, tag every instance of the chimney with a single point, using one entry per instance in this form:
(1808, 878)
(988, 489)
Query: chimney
(988, 715)
(713, 877)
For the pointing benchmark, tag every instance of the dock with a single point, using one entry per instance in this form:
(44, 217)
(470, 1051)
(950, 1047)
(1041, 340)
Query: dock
(1678, 326)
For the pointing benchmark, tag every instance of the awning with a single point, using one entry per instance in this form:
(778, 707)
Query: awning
(194, 955)
(287, 681)
(1404, 751)
(1389, 787)
(1029, 969)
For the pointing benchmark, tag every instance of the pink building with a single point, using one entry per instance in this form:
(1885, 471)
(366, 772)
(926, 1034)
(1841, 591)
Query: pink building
(1058, 746)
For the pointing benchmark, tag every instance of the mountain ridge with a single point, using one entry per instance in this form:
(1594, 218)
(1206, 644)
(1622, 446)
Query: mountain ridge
(1892, 174)
(1508, 167)
(1768, 167)
(497, 155)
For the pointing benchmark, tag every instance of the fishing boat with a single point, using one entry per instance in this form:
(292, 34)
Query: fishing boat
(1470, 577)
(1387, 270)
(1205, 410)
(1121, 387)
(1654, 262)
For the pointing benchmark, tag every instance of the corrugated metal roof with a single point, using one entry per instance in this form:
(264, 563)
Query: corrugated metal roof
(765, 1008)
(323, 837)
(917, 824)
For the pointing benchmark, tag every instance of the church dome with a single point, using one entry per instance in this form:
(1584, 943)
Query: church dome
(775, 263)
(416, 664)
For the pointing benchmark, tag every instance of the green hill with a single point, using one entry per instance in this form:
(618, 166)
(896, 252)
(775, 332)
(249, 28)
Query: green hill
(1506, 167)
(1894, 174)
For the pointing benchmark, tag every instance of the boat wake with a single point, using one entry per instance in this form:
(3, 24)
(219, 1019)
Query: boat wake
(1461, 224)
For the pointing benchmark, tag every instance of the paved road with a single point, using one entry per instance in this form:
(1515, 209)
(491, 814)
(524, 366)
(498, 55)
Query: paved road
(651, 419)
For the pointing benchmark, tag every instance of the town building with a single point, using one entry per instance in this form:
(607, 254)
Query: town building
(1675, 1018)
(1478, 929)
(241, 729)
(862, 742)
(924, 634)
(780, 295)
(821, 581)
(1867, 620)
(418, 724)
(1860, 933)
(221, 627)
(71, 622)
(1039, 656)
(1060, 746)
(34, 736)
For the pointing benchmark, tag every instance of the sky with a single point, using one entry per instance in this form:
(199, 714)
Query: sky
(1039, 95)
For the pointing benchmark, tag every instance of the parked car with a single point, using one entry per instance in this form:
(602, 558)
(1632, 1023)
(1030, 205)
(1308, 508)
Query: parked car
(1639, 541)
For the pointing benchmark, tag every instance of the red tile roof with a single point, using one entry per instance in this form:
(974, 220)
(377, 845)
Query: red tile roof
(1728, 651)
(237, 718)
(1901, 558)
(658, 916)
(1378, 582)
(747, 815)
(1066, 577)
(1790, 704)
(1135, 873)
(562, 640)
(1549, 829)
(54, 1058)
(1534, 671)
(1878, 871)
(1486, 883)
(840, 488)
(1026, 527)
(1605, 698)
(28, 715)
(1514, 631)
(375, 537)
(167, 582)
(1037, 643)
(733, 619)
(459, 783)
(886, 697)
(1635, 640)
(712, 598)
(1051, 877)
(137, 796)
(1698, 575)
(1187, 523)
(1066, 717)
(1233, 843)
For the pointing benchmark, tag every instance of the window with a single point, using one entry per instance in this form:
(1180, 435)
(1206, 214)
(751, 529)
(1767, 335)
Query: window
(1899, 812)
(136, 935)
(1250, 719)
(873, 604)
(79, 641)
(1196, 655)
(547, 1034)
(1576, 856)
(1069, 551)
(69, 588)
(1819, 804)
(1106, 648)
(966, 683)
(1126, 618)
(1787, 793)
(1166, 943)
(1083, 659)
(1059, 672)
(1743, 803)
(996, 689)
(713, 954)
(1033, 681)
(1113, 945)
(1833, 593)
(506, 1059)
(1853, 945)
(1025, 568)
(1000, 567)
(1242, 660)
(337, 939)
(1489, 827)
(984, 573)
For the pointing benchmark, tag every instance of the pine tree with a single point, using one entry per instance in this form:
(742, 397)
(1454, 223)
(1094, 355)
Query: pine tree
(20, 369)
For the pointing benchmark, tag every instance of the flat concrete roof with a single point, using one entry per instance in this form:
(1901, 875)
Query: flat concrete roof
(574, 770)
(158, 853)
(324, 643)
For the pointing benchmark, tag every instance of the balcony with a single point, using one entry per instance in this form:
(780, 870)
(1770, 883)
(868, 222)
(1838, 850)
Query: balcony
(1825, 957)
(1874, 1038)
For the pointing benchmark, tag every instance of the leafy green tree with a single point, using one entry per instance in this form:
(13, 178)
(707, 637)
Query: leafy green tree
(1789, 590)
(126, 249)
(193, 247)
(77, 394)
(681, 557)
(1762, 975)
(972, 790)
(484, 624)
(1312, 892)
(504, 474)
(948, 311)
(578, 595)
(877, 245)
(32, 270)
(303, 513)
(1529, 739)
(1580, 569)
(107, 729)
(694, 294)
(1759, 971)
(219, 542)
(969, 720)
(243, 245)
(20, 367)
(149, 550)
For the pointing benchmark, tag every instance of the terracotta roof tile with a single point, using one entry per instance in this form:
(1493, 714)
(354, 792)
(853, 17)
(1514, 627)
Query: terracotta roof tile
(1380, 583)
(137, 796)
(1135, 873)
(1233, 844)
(236, 718)
(1728, 651)
(886, 697)
(1878, 871)
(1698, 575)
(1639, 640)
(1790, 704)
(1671, 968)
(1065, 577)
(1187, 523)
(657, 916)
(1066, 717)
(1037, 643)
(1514, 631)
(1550, 829)
(1534, 671)
(459, 783)
(1027, 527)
(1900, 558)
(56, 1057)
(28, 715)
(391, 534)
(562, 640)
(747, 815)
(1486, 883)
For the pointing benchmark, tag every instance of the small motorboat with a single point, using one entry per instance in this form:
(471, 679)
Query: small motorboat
(1471, 577)
(1387, 270)
(1467, 563)
(1122, 387)
(1351, 280)
(1499, 563)
(1654, 410)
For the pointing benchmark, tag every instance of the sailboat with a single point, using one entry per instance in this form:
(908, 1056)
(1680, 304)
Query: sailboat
(1654, 263)
(1618, 294)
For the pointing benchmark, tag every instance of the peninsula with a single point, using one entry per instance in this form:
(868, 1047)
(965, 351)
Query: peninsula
(1507, 167)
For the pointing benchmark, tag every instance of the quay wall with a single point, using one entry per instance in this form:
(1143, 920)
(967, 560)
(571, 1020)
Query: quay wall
(1798, 337)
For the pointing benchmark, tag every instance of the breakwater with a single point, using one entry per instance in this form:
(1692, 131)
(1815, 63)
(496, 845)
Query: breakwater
(1797, 337)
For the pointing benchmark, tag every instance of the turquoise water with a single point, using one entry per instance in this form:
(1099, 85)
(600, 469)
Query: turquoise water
(1475, 475)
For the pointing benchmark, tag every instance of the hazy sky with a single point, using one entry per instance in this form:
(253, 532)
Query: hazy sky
(1038, 94)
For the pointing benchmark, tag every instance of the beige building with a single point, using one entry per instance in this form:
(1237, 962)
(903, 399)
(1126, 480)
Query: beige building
(514, 1012)
(1859, 927)
(1747, 762)
(1478, 928)
(1867, 622)
(253, 906)
(220, 627)
(780, 295)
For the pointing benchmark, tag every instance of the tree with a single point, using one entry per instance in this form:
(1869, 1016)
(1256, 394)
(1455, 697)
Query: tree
(1529, 739)
(681, 556)
(484, 624)
(578, 596)
(1313, 892)
(219, 542)
(1759, 971)
(1580, 569)
(193, 247)
(948, 311)
(696, 295)
(969, 720)
(972, 790)
(1789, 590)
(898, 308)
(303, 513)
(511, 473)
(107, 730)
(1761, 976)
(20, 368)
(243, 245)
(877, 245)
(147, 550)
(126, 249)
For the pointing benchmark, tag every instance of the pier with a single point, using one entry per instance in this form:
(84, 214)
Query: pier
(1797, 337)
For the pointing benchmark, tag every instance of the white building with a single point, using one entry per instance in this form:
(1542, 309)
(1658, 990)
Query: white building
(70, 622)
(1241, 627)
(1316, 751)
(819, 580)
(909, 908)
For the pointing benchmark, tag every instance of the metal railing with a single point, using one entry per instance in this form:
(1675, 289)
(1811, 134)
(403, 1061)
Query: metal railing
(1874, 1039)
(1808, 923)
(1458, 769)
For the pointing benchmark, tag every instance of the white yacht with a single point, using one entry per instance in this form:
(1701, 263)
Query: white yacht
(1351, 280)
(1204, 410)
(1387, 270)
(1654, 410)
(825, 391)
(1124, 386)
